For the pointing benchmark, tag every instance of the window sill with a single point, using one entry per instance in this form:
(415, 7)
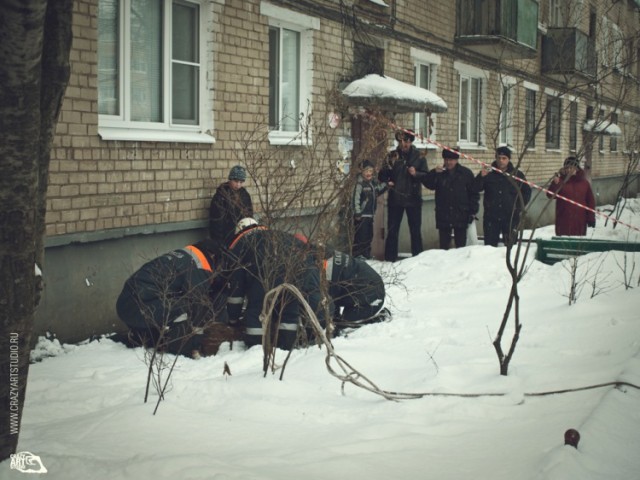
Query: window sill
(424, 145)
(465, 147)
(295, 139)
(153, 135)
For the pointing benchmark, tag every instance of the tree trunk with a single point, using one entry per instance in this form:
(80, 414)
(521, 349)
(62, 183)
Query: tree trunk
(35, 40)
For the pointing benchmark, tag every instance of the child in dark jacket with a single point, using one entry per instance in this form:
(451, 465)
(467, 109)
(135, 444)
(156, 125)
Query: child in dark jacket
(365, 199)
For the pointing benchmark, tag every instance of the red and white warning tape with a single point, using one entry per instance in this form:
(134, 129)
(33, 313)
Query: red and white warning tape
(531, 184)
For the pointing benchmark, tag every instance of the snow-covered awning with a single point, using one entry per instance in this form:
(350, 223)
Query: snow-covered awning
(393, 95)
(602, 127)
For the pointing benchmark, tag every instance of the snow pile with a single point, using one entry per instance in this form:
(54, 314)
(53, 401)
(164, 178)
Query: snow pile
(85, 418)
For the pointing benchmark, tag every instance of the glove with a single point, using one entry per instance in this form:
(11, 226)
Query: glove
(591, 224)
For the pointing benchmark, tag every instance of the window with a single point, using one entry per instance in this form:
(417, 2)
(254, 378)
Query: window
(426, 74)
(423, 80)
(506, 113)
(530, 117)
(284, 80)
(613, 141)
(573, 126)
(627, 132)
(151, 76)
(552, 133)
(290, 66)
(600, 122)
(612, 46)
(563, 13)
(470, 113)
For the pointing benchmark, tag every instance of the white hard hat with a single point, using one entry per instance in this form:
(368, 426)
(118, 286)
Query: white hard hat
(245, 223)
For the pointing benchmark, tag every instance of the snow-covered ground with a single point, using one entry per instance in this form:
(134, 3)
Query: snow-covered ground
(85, 417)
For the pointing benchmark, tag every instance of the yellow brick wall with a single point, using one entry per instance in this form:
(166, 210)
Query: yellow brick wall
(98, 185)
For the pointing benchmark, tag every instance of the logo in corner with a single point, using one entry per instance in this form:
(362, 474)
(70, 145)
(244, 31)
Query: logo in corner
(27, 462)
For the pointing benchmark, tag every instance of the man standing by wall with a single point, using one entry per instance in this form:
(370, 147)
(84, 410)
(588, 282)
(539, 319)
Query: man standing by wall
(230, 203)
(404, 172)
(502, 205)
(457, 201)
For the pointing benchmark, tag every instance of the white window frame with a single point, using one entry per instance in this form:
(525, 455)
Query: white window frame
(470, 73)
(283, 18)
(432, 61)
(505, 124)
(121, 127)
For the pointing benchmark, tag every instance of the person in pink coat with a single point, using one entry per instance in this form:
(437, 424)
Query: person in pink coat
(571, 183)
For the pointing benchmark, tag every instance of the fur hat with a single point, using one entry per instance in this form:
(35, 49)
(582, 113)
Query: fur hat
(238, 173)
(405, 134)
(503, 151)
(450, 154)
(571, 162)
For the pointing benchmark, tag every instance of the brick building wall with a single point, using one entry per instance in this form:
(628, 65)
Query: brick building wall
(103, 195)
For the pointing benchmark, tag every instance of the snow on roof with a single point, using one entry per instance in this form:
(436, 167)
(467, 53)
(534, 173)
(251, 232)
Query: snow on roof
(394, 94)
(602, 127)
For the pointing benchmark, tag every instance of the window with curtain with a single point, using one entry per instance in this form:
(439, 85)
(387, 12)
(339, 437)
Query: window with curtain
(149, 63)
(470, 110)
(284, 79)
(506, 115)
(613, 141)
(290, 54)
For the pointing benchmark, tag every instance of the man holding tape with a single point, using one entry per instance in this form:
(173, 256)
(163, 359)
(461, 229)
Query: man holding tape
(504, 198)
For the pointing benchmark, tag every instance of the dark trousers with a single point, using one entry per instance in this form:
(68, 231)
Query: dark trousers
(459, 236)
(394, 219)
(363, 235)
(493, 228)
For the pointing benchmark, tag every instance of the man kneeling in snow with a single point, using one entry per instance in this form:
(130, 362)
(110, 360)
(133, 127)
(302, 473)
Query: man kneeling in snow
(260, 259)
(357, 290)
(170, 299)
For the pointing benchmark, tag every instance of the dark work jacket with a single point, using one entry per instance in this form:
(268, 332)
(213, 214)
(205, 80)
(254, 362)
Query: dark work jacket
(456, 198)
(260, 259)
(353, 282)
(500, 194)
(571, 219)
(226, 209)
(407, 190)
(166, 287)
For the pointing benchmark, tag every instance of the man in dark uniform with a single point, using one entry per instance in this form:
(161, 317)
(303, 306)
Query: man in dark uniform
(261, 259)
(502, 202)
(403, 174)
(457, 201)
(357, 290)
(171, 298)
